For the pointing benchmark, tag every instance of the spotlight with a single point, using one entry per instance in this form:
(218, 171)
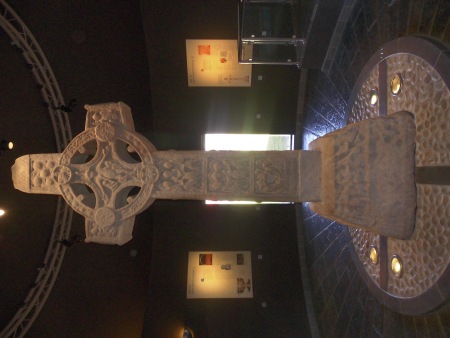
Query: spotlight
(2, 212)
(373, 254)
(397, 266)
(373, 97)
(396, 84)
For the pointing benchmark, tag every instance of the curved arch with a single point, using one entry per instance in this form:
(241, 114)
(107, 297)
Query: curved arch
(24, 41)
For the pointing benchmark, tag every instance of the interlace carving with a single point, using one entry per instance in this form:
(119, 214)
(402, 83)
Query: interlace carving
(268, 175)
(180, 175)
(229, 175)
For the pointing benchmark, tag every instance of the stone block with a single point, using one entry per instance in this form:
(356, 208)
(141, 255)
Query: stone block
(368, 175)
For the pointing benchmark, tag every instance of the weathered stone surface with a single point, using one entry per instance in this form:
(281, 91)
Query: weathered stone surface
(286, 176)
(348, 178)
(34, 173)
(97, 174)
(368, 175)
(425, 95)
(427, 254)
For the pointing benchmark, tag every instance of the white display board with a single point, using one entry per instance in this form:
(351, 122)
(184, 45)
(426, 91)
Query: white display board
(219, 274)
(214, 63)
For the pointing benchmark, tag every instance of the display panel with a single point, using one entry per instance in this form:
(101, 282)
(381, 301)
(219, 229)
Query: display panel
(219, 274)
(214, 63)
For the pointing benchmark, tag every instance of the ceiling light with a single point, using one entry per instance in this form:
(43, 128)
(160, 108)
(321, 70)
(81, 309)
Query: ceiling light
(396, 84)
(373, 254)
(2, 212)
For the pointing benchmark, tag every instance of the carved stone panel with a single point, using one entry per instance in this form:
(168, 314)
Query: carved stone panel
(35, 174)
(97, 172)
(236, 175)
(359, 188)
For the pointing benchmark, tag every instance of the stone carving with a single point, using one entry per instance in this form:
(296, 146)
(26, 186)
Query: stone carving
(43, 177)
(358, 186)
(426, 254)
(268, 175)
(229, 175)
(96, 174)
(180, 175)
(235, 175)
(98, 188)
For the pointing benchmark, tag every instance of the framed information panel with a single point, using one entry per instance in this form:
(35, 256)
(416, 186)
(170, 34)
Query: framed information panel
(214, 63)
(219, 274)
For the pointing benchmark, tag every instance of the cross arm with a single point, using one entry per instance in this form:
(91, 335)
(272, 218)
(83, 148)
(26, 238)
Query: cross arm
(37, 174)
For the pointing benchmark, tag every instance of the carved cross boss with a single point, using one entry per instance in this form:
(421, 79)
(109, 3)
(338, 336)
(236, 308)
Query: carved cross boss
(109, 174)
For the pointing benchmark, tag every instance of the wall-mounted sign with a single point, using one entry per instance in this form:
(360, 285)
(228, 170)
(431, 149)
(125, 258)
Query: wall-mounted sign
(214, 63)
(219, 274)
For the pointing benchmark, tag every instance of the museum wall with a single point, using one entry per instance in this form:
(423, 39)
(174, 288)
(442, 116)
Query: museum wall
(266, 230)
(178, 108)
(181, 114)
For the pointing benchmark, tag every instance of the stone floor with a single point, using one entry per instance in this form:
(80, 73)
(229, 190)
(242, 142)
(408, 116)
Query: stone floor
(343, 304)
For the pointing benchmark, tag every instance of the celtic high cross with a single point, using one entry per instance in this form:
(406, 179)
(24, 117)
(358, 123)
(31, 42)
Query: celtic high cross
(109, 173)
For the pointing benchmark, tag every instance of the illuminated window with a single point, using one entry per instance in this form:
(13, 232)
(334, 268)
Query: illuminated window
(255, 142)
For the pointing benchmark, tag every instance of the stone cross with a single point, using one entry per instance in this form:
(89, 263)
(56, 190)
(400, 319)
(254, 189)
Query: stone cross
(109, 173)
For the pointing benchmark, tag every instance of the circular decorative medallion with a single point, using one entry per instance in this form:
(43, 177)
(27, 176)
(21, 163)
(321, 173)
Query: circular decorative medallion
(105, 131)
(105, 217)
(63, 174)
(98, 188)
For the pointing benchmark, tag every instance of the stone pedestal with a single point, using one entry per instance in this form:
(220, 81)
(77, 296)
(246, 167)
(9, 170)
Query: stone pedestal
(368, 175)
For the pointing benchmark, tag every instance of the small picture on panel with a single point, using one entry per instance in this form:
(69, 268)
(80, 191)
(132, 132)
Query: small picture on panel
(240, 259)
(225, 266)
(204, 49)
(241, 285)
(205, 259)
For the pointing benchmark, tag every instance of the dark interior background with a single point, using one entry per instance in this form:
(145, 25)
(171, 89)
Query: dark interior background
(134, 51)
